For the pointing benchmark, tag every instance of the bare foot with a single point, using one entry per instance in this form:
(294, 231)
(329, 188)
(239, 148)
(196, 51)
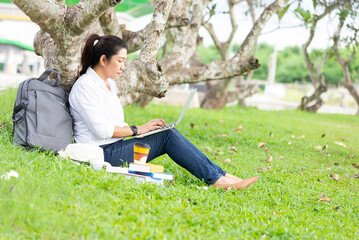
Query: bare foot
(224, 180)
(227, 183)
(233, 177)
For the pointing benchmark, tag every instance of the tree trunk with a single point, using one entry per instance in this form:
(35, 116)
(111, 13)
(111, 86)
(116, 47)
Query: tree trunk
(348, 83)
(217, 94)
(313, 102)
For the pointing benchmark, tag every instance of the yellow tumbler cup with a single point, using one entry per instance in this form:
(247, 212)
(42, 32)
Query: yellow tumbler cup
(140, 152)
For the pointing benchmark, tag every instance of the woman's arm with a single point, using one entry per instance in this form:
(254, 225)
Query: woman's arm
(154, 124)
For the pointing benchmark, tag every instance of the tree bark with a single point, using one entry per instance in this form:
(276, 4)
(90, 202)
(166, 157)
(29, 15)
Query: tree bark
(313, 102)
(348, 83)
(217, 93)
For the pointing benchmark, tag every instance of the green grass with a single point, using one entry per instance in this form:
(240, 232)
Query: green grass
(56, 199)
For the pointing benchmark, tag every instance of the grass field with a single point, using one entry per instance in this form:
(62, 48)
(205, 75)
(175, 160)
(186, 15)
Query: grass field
(55, 199)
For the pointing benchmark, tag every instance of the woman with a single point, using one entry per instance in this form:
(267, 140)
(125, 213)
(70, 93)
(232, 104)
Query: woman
(99, 118)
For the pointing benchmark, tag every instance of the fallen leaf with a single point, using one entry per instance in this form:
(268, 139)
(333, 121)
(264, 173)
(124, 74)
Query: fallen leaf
(281, 157)
(336, 164)
(325, 146)
(356, 175)
(336, 177)
(208, 149)
(233, 148)
(222, 135)
(192, 125)
(221, 121)
(323, 135)
(266, 149)
(354, 165)
(171, 182)
(269, 159)
(351, 156)
(337, 208)
(12, 188)
(328, 168)
(219, 153)
(289, 143)
(239, 129)
(324, 198)
(340, 144)
(277, 213)
(301, 137)
(343, 139)
(267, 169)
(320, 180)
(226, 160)
(271, 134)
(4, 124)
(300, 173)
(317, 147)
(262, 144)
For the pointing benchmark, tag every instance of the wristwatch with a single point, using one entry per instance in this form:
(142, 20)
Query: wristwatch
(135, 130)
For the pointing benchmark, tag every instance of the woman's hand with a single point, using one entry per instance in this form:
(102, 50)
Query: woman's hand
(151, 125)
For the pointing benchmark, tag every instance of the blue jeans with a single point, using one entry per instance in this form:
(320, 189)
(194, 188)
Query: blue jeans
(178, 148)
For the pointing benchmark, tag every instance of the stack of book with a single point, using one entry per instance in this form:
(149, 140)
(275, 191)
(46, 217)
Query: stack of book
(143, 172)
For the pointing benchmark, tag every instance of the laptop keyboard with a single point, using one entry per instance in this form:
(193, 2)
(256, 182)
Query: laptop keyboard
(168, 126)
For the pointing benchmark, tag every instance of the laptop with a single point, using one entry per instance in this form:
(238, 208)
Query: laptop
(171, 125)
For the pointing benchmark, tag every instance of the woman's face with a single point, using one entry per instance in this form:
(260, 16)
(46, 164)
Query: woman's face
(116, 66)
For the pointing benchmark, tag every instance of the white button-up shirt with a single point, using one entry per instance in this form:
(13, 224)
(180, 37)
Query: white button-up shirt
(95, 109)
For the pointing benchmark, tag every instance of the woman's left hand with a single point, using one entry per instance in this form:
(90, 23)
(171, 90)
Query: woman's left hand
(151, 125)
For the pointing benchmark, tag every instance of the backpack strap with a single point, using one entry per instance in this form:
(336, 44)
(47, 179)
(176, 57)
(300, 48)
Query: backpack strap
(47, 73)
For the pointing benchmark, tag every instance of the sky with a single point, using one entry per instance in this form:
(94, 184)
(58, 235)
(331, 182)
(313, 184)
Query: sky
(25, 31)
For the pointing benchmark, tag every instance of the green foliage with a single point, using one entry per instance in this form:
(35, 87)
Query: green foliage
(55, 199)
(208, 54)
(291, 66)
(263, 52)
(303, 14)
(283, 11)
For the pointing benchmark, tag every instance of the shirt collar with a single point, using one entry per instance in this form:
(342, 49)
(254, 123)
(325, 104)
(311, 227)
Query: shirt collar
(99, 81)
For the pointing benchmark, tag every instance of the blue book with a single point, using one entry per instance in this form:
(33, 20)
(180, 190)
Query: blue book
(166, 176)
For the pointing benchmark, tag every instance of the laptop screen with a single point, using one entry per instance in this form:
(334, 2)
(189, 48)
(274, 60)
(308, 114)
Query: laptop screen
(189, 100)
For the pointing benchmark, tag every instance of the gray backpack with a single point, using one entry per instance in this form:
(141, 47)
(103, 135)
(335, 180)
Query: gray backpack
(41, 114)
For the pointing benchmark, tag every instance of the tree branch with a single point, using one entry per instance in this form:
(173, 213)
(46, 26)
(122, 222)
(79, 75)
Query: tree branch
(185, 43)
(233, 22)
(213, 71)
(177, 17)
(251, 39)
(336, 39)
(81, 16)
(144, 74)
(223, 46)
(109, 23)
(48, 14)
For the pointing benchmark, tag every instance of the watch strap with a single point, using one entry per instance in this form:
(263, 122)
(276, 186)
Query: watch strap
(134, 129)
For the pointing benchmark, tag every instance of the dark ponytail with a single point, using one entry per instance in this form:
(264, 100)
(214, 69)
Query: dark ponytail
(97, 46)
